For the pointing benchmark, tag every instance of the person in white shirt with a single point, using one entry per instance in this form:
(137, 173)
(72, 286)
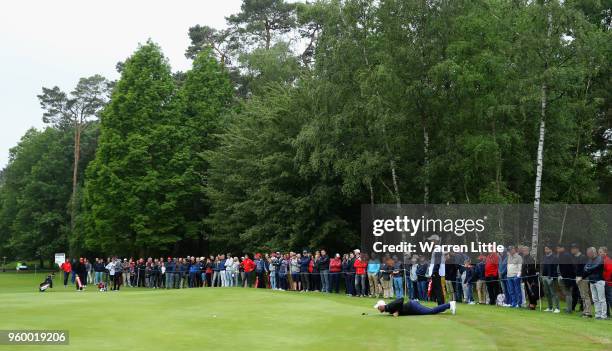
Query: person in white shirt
(515, 262)
(413, 278)
(437, 271)
(235, 271)
(229, 269)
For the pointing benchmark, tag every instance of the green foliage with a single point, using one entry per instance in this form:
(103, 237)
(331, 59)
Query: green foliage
(269, 143)
(260, 21)
(35, 193)
(144, 191)
(259, 199)
(128, 184)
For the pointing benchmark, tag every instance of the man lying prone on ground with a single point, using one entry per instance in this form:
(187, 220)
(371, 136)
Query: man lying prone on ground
(412, 308)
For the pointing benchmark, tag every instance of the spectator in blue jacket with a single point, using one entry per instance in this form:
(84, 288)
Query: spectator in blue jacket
(593, 272)
(183, 269)
(216, 278)
(422, 278)
(502, 268)
(194, 271)
(479, 273)
(261, 268)
(348, 268)
(469, 280)
(373, 273)
(398, 278)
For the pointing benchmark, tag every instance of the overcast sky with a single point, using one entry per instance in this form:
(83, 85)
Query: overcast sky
(47, 43)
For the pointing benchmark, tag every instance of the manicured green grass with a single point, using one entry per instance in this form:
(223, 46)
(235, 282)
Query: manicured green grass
(254, 319)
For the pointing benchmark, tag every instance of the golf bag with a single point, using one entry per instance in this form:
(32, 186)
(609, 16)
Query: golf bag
(48, 283)
(102, 287)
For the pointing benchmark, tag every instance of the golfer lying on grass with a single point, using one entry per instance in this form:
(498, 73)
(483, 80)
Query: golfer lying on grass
(412, 308)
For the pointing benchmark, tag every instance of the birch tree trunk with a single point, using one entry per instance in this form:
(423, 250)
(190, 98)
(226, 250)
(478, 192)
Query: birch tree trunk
(395, 185)
(535, 233)
(425, 162)
(75, 172)
(371, 188)
(396, 193)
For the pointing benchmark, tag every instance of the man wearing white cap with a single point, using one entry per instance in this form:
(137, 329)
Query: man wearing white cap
(412, 308)
(436, 271)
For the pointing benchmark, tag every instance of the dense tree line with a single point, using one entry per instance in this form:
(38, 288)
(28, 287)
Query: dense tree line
(297, 113)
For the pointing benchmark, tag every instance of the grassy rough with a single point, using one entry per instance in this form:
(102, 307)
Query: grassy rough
(253, 319)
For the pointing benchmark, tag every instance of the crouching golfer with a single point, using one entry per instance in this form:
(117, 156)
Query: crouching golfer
(412, 308)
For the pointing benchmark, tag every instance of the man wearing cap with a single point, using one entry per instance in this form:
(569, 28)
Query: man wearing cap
(412, 308)
(436, 271)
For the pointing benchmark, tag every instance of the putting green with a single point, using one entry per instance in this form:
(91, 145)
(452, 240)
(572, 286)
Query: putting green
(254, 319)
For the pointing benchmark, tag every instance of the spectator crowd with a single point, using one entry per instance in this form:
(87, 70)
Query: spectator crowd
(511, 279)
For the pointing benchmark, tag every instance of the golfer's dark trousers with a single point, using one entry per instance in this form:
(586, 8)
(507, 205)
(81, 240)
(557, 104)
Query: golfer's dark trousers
(305, 281)
(141, 279)
(315, 281)
(117, 281)
(531, 289)
(249, 278)
(349, 280)
(335, 282)
(436, 289)
(576, 299)
(492, 289)
(261, 280)
(193, 279)
(418, 309)
(66, 276)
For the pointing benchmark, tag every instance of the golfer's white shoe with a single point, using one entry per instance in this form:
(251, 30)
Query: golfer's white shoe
(453, 307)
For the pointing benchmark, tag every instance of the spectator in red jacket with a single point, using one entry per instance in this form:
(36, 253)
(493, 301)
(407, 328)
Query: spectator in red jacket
(361, 265)
(313, 280)
(607, 275)
(335, 269)
(66, 267)
(249, 266)
(491, 276)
